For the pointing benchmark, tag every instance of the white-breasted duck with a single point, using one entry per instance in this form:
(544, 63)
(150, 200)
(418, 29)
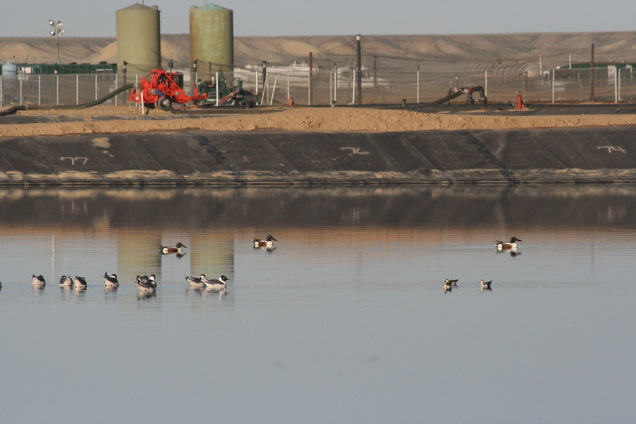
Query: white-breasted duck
(168, 250)
(512, 245)
(266, 242)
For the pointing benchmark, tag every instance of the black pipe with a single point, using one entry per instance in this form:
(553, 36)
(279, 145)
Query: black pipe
(14, 109)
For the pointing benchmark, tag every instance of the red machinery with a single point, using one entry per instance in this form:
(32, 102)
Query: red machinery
(163, 88)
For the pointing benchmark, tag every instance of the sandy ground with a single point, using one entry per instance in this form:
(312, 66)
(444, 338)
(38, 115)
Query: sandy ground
(298, 119)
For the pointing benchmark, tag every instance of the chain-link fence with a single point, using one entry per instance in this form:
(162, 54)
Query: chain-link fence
(339, 85)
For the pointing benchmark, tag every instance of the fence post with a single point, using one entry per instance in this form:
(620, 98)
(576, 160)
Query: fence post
(335, 84)
(57, 89)
(39, 90)
(616, 84)
(1, 93)
(117, 96)
(486, 83)
(216, 79)
(20, 90)
(417, 100)
(76, 89)
(553, 72)
(619, 84)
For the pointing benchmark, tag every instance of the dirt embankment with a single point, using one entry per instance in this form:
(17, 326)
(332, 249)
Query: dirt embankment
(296, 119)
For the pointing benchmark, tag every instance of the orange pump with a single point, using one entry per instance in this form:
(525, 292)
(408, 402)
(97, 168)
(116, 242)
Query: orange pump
(163, 88)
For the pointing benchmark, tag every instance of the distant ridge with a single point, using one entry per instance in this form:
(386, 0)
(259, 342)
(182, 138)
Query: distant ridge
(393, 50)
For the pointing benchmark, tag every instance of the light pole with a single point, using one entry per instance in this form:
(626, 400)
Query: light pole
(56, 31)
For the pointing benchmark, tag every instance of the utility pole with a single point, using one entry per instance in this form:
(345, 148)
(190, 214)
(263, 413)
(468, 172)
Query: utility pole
(592, 74)
(358, 71)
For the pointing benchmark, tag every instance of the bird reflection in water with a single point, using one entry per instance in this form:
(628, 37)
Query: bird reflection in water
(146, 294)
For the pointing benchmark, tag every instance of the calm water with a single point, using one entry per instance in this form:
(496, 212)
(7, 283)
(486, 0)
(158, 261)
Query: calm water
(344, 322)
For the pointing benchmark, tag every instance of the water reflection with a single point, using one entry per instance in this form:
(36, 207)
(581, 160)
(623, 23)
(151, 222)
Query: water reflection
(348, 305)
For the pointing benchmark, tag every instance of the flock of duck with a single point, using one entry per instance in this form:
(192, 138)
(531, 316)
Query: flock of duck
(501, 246)
(148, 283)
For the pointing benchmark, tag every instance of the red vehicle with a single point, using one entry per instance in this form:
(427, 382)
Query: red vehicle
(161, 88)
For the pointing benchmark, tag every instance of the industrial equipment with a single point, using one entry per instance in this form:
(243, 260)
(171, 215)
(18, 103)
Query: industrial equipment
(162, 89)
(234, 95)
(456, 92)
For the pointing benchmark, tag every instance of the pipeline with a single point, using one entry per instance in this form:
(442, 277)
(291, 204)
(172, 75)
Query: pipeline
(13, 109)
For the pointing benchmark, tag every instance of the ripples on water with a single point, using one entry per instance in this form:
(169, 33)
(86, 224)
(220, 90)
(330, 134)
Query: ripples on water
(344, 321)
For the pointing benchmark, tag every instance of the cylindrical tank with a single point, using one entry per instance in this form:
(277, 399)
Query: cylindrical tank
(212, 38)
(9, 69)
(138, 39)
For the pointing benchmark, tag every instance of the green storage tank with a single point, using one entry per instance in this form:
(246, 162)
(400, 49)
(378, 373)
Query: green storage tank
(212, 38)
(138, 39)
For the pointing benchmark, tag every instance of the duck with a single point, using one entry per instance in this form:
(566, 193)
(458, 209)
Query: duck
(168, 250)
(196, 282)
(38, 281)
(79, 282)
(146, 282)
(215, 284)
(267, 242)
(451, 282)
(512, 245)
(110, 281)
(485, 285)
(66, 281)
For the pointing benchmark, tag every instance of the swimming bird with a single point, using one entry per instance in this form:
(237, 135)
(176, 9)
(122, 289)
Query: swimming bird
(512, 245)
(111, 281)
(38, 281)
(267, 242)
(167, 250)
(447, 286)
(451, 282)
(79, 282)
(66, 281)
(485, 285)
(195, 282)
(146, 283)
(215, 284)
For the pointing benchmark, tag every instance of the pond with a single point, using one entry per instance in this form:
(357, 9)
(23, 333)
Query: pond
(344, 320)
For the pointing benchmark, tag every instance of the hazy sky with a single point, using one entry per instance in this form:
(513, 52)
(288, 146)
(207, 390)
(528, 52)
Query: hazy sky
(333, 17)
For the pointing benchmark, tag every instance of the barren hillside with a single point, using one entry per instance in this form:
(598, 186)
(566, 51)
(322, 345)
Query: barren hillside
(392, 50)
